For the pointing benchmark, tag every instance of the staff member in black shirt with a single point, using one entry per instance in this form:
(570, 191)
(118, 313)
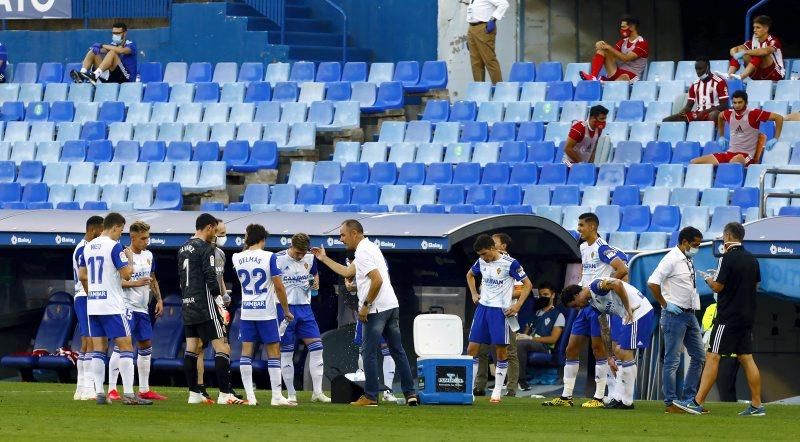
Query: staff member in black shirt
(204, 317)
(736, 284)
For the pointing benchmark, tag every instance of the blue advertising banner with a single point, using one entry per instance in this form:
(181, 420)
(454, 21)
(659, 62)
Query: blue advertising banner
(35, 9)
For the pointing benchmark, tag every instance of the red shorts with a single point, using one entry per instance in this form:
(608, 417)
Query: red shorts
(770, 73)
(620, 72)
(698, 116)
(726, 157)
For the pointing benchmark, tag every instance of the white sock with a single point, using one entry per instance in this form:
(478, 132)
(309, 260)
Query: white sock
(628, 381)
(388, 368)
(360, 362)
(113, 370)
(287, 370)
(474, 370)
(84, 70)
(246, 370)
(79, 365)
(126, 370)
(143, 368)
(618, 386)
(611, 380)
(274, 368)
(600, 374)
(570, 374)
(88, 376)
(98, 371)
(501, 369)
(316, 366)
(99, 73)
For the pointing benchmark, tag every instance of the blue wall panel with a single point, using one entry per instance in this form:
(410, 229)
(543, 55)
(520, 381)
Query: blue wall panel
(393, 30)
(198, 32)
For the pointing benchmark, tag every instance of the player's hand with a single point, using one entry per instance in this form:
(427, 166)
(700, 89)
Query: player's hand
(672, 308)
(319, 252)
(770, 144)
(491, 26)
(612, 364)
(362, 313)
(739, 55)
(288, 315)
(629, 317)
(599, 45)
(723, 142)
(159, 308)
(476, 297)
(226, 316)
(315, 284)
(144, 282)
(513, 310)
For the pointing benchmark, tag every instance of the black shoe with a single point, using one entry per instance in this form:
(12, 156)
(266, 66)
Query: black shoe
(511, 393)
(625, 407)
(88, 77)
(612, 404)
(75, 76)
(479, 392)
(524, 385)
(412, 400)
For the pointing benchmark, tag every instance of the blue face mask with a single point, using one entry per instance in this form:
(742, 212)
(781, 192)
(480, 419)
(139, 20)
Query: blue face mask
(116, 39)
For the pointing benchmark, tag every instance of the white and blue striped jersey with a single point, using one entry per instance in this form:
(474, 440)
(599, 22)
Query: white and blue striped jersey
(497, 280)
(596, 260)
(77, 263)
(255, 269)
(137, 298)
(104, 257)
(608, 302)
(298, 276)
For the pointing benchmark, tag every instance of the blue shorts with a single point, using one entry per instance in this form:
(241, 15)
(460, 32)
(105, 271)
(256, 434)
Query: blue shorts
(616, 326)
(304, 325)
(83, 317)
(635, 335)
(489, 326)
(265, 332)
(140, 325)
(586, 323)
(109, 326)
(358, 339)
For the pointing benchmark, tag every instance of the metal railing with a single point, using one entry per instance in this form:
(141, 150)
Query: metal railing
(762, 196)
(748, 28)
(275, 10)
(344, 27)
(91, 9)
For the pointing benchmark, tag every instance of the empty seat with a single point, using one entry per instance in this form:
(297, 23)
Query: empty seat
(485, 153)
(503, 131)
(574, 111)
(610, 218)
(99, 151)
(112, 111)
(232, 93)
(62, 111)
(533, 92)
(480, 195)
(402, 153)
(657, 153)
(474, 132)
(759, 90)
(630, 111)
(699, 176)
(513, 152)
(181, 93)
(505, 92)
(672, 132)
(553, 174)
(364, 93)
(37, 111)
(508, 195)
(645, 91)
(120, 132)
(496, 173)
(615, 91)
(684, 197)
(428, 153)
(285, 92)
(685, 151)
(524, 174)
(451, 194)
(170, 132)
(436, 111)
(549, 71)
(669, 90)
(355, 173)
(224, 72)
(467, 173)
(583, 174)
(626, 196)
(652, 240)
(302, 172)
(522, 71)
(23, 151)
(729, 176)
(745, 197)
(537, 196)
(160, 172)
(130, 93)
(635, 219)
(657, 111)
(439, 173)
(559, 91)
(557, 132)
(60, 193)
(701, 131)
(665, 219)
(16, 131)
(596, 196)
(85, 193)
(309, 194)
(109, 173)
(390, 96)
(714, 197)
(545, 111)
(383, 173)
(258, 91)
(153, 93)
(74, 151)
(185, 173)
(164, 112)
(206, 92)
(29, 172)
(81, 173)
(249, 132)
(696, 217)
(134, 173)
(301, 71)
(175, 72)
(365, 194)
(530, 132)
(320, 113)
(628, 152)
(566, 196)
(236, 153)
(643, 132)
(418, 132)
(641, 175)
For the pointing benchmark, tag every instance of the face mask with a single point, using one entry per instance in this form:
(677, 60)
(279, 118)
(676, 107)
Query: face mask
(220, 240)
(116, 39)
(703, 77)
(625, 33)
(541, 303)
(692, 252)
(715, 296)
(600, 125)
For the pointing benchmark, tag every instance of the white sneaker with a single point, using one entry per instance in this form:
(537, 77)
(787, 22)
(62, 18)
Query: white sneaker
(359, 376)
(77, 395)
(198, 398)
(88, 394)
(280, 401)
(389, 397)
(292, 398)
(228, 399)
(251, 401)
(496, 398)
(321, 398)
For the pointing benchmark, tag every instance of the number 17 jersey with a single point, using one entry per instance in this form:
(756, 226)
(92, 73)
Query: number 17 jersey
(255, 269)
(103, 258)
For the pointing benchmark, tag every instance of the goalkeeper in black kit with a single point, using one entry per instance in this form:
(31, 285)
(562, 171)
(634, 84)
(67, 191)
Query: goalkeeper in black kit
(204, 316)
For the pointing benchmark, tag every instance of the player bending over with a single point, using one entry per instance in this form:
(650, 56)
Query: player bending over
(203, 318)
(106, 264)
(632, 327)
(624, 61)
(493, 305)
(762, 55)
(298, 269)
(137, 297)
(261, 282)
(84, 389)
(745, 146)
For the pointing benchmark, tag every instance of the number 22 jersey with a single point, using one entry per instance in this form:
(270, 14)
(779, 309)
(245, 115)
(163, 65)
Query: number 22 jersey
(255, 269)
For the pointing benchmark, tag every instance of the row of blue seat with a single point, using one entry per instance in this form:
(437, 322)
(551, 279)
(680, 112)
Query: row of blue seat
(120, 197)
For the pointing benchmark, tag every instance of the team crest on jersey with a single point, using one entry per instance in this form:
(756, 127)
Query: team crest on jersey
(498, 271)
(305, 264)
(592, 255)
(122, 257)
(610, 254)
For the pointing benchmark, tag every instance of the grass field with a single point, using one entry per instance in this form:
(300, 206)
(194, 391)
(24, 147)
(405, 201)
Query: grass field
(46, 411)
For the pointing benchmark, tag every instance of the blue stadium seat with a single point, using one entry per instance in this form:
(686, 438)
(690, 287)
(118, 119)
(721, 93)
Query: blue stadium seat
(699, 176)
(557, 132)
(346, 152)
(657, 153)
(517, 112)
(250, 72)
(545, 111)
(553, 213)
(390, 96)
(553, 174)
(729, 176)
(257, 92)
(81, 173)
(524, 174)
(610, 218)
(720, 217)
(669, 90)
(428, 153)
(582, 175)
(641, 175)
(365, 194)
(626, 196)
(204, 151)
(513, 152)
(549, 71)
(451, 194)
(169, 196)
(789, 211)
(310, 92)
(34, 193)
(643, 132)
(439, 173)
(520, 209)
(373, 152)
(267, 112)
(154, 151)
(714, 197)
(496, 173)
(282, 194)
(466, 174)
(506, 92)
(364, 93)
(206, 92)
(661, 71)
(392, 195)
(418, 132)
(433, 77)
(236, 153)
(383, 173)
(573, 72)
(635, 219)
(559, 91)
(309, 194)
(701, 131)
(176, 72)
(685, 72)
(574, 111)
(522, 72)
(25, 72)
(479, 92)
(392, 131)
(490, 112)
(645, 91)
(463, 111)
(411, 174)
(474, 132)
(286, 92)
(533, 92)
(112, 111)
(630, 112)
(337, 194)
(463, 209)
(139, 194)
(615, 91)
(37, 111)
(485, 153)
(407, 73)
(12, 111)
(74, 151)
(665, 219)
(257, 194)
(69, 67)
(436, 111)
(684, 197)
(672, 132)
(508, 195)
(150, 72)
(86, 192)
(213, 206)
(657, 111)
(685, 151)
(502, 132)
(355, 173)
(224, 72)
(588, 91)
(62, 111)
(432, 208)
(264, 155)
(99, 151)
(745, 197)
(530, 132)
(596, 196)
(8, 171)
(321, 113)
(327, 173)
(354, 71)
(537, 196)
(566, 196)
(487, 209)
(156, 93)
(457, 152)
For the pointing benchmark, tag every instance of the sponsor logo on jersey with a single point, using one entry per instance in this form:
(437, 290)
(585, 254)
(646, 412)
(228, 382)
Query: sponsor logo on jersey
(98, 294)
(254, 305)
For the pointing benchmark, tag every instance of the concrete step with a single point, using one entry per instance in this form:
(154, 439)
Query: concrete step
(306, 38)
(327, 53)
(298, 11)
(307, 25)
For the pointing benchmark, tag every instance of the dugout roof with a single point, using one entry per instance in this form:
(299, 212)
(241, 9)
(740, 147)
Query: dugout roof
(433, 233)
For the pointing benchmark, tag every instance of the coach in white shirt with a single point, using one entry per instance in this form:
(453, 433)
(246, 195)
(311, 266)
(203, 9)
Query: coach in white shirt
(378, 310)
(482, 17)
(674, 286)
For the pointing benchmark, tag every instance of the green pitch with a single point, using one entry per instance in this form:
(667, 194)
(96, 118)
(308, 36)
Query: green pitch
(47, 411)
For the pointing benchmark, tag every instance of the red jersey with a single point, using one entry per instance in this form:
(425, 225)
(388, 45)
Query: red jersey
(744, 129)
(705, 94)
(585, 140)
(777, 56)
(639, 47)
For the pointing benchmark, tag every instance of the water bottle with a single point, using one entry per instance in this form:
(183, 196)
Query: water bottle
(513, 323)
(226, 298)
(282, 326)
(314, 292)
(138, 78)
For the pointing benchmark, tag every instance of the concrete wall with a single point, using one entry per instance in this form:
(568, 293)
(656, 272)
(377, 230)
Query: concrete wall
(198, 32)
(453, 42)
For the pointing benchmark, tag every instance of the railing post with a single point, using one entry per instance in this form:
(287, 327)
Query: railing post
(748, 32)
(344, 39)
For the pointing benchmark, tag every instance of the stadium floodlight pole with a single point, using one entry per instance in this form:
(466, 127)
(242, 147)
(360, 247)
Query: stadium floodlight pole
(748, 28)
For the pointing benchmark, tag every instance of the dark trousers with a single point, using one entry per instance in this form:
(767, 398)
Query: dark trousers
(386, 324)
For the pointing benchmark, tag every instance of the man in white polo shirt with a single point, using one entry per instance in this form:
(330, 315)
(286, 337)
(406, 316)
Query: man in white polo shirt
(378, 310)
(482, 16)
(674, 286)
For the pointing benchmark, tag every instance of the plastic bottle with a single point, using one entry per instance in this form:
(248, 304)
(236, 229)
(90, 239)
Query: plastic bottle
(513, 323)
(314, 292)
(282, 326)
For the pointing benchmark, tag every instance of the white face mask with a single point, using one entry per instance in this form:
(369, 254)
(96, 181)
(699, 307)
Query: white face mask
(220, 240)
(703, 77)
(692, 252)
(116, 39)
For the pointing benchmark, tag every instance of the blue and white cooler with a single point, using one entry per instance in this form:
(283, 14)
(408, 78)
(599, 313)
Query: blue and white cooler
(445, 375)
